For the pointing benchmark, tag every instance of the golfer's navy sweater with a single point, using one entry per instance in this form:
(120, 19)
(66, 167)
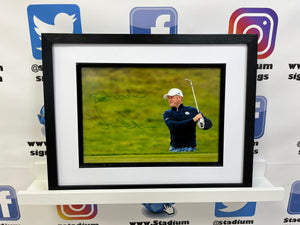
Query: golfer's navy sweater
(182, 126)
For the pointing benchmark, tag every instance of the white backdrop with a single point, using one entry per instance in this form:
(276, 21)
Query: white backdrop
(22, 136)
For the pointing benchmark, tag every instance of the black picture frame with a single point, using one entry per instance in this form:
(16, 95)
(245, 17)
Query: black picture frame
(65, 54)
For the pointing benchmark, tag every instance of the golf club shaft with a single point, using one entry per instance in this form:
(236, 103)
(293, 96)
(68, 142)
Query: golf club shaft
(193, 93)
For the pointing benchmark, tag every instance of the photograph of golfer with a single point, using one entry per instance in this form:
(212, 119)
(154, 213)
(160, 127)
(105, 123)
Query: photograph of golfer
(122, 108)
(181, 121)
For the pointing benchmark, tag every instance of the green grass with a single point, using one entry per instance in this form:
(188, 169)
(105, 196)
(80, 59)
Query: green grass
(123, 108)
(176, 157)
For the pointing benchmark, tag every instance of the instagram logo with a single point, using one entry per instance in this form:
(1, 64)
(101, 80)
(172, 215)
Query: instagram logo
(260, 21)
(77, 212)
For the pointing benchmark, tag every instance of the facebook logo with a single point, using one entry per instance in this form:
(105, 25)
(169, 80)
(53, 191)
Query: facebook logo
(51, 19)
(9, 205)
(153, 20)
(294, 200)
(235, 209)
(260, 116)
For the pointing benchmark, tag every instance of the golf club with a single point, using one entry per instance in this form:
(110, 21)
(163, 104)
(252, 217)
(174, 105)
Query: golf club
(200, 122)
(193, 92)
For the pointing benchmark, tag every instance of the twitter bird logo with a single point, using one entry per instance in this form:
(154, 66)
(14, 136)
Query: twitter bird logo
(63, 23)
(51, 19)
(235, 209)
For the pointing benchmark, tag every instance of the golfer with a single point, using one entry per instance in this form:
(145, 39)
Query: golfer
(181, 121)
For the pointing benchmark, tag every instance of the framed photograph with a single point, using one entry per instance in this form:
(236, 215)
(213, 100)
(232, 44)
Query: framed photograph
(149, 111)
